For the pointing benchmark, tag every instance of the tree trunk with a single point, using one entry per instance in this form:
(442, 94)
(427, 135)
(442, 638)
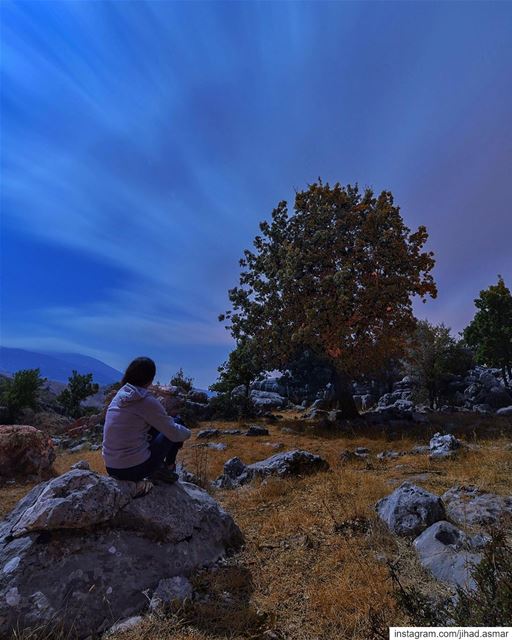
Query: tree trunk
(342, 398)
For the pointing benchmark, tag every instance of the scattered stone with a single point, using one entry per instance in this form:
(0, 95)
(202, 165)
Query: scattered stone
(469, 505)
(81, 464)
(450, 554)
(361, 451)
(420, 450)
(505, 411)
(289, 463)
(125, 625)
(208, 433)
(77, 448)
(347, 456)
(389, 455)
(71, 546)
(171, 591)
(217, 446)
(25, 451)
(443, 446)
(231, 432)
(410, 509)
(255, 430)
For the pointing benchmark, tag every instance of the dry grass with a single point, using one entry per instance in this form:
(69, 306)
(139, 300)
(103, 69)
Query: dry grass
(313, 567)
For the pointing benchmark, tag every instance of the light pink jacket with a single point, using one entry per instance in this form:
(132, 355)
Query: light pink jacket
(131, 413)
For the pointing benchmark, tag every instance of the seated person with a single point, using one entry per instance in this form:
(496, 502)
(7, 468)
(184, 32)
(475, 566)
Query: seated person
(139, 439)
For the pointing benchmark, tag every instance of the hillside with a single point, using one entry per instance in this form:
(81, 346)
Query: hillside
(55, 365)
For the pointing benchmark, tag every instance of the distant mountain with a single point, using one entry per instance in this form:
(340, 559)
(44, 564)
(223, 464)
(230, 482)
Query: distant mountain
(57, 366)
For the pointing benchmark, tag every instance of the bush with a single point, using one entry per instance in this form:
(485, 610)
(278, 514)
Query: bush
(22, 391)
(226, 407)
(179, 380)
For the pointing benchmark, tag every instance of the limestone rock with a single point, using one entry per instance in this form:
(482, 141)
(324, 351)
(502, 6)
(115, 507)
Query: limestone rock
(25, 450)
(443, 446)
(288, 463)
(171, 590)
(472, 506)
(410, 509)
(255, 430)
(449, 553)
(81, 543)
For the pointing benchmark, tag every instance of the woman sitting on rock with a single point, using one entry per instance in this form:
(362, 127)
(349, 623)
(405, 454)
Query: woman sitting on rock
(139, 439)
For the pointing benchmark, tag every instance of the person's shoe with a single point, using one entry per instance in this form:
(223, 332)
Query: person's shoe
(164, 475)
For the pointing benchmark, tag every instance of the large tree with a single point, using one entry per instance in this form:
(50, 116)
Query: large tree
(490, 331)
(336, 276)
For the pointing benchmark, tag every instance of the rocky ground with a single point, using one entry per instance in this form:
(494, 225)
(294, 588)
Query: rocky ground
(314, 564)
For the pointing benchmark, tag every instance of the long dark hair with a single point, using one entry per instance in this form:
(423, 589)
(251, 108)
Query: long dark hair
(139, 372)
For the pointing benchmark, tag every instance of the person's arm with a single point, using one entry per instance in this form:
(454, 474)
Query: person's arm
(155, 415)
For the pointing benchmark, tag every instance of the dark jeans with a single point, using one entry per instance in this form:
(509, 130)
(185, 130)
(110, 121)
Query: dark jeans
(162, 452)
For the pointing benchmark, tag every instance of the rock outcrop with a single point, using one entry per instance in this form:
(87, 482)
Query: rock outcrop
(25, 451)
(80, 551)
(288, 463)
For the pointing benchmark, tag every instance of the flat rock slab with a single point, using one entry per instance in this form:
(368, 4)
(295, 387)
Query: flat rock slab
(288, 463)
(410, 509)
(81, 543)
(449, 553)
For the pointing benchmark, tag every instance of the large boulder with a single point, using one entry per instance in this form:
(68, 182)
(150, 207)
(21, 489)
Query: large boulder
(443, 446)
(469, 505)
(24, 451)
(81, 551)
(288, 463)
(449, 553)
(409, 510)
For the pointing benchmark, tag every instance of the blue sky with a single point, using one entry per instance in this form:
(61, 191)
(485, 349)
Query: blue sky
(142, 142)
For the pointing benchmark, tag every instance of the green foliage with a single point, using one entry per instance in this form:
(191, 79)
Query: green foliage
(180, 380)
(335, 277)
(489, 603)
(79, 388)
(490, 331)
(433, 358)
(242, 367)
(21, 392)
(306, 372)
(224, 406)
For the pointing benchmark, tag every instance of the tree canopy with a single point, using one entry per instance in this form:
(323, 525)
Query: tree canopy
(21, 391)
(490, 331)
(434, 356)
(79, 388)
(336, 277)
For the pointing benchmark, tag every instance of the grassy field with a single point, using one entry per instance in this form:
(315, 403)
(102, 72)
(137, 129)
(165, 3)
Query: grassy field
(314, 563)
